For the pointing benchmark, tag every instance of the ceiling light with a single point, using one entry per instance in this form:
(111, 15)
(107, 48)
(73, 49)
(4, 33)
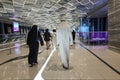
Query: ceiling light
(91, 2)
(80, 1)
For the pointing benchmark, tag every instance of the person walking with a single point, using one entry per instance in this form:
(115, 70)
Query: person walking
(33, 39)
(64, 40)
(73, 35)
(47, 37)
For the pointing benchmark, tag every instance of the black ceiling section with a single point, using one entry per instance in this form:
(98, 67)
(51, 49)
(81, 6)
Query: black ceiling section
(62, 8)
(81, 7)
(62, 2)
(84, 1)
(1, 5)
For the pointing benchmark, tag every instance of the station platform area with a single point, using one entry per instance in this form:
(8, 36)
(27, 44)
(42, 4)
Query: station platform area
(86, 63)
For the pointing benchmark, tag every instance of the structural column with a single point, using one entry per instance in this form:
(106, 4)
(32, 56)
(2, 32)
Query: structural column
(114, 23)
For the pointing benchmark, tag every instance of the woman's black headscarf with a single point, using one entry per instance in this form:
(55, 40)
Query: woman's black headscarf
(34, 31)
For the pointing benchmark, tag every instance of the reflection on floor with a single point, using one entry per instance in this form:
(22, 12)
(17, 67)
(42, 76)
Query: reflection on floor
(15, 65)
(83, 65)
(110, 57)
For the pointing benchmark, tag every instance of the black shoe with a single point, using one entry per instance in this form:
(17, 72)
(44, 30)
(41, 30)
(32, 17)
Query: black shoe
(47, 48)
(35, 63)
(65, 67)
(30, 65)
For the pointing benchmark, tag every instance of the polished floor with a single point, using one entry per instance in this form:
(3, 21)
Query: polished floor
(86, 63)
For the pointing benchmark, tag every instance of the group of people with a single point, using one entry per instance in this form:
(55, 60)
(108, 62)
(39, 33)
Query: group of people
(64, 39)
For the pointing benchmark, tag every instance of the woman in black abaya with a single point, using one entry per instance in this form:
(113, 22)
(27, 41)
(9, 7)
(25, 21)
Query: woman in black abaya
(33, 42)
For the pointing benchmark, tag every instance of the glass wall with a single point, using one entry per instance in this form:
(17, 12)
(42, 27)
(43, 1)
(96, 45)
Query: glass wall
(94, 30)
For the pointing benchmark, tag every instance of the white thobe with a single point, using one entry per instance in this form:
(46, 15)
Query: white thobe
(64, 40)
(54, 39)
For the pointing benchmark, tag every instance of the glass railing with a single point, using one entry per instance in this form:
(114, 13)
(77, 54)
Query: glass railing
(96, 36)
(7, 41)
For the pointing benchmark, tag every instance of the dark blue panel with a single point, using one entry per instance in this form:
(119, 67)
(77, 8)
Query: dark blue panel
(67, 0)
(80, 6)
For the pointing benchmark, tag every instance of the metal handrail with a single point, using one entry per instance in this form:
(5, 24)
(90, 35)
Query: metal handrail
(7, 40)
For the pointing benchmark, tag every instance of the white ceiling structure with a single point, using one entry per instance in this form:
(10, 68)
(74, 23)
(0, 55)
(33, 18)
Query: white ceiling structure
(48, 12)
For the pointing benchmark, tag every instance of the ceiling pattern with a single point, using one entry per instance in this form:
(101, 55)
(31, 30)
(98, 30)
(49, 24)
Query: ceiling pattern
(46, 12)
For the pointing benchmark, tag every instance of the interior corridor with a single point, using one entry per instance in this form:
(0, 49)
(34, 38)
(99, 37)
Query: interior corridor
(86, 63)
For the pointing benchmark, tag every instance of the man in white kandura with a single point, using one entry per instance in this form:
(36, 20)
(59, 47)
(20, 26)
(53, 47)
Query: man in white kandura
(64, 40)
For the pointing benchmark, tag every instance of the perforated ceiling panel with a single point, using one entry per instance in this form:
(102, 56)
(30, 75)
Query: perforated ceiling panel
(46, 12)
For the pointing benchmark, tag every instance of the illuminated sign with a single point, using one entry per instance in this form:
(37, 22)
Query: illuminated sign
(99, 36)
(15, 26)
